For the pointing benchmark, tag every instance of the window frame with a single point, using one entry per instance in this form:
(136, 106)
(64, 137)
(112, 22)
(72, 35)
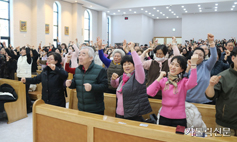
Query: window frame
(89, 28)
(55, 40)
(9, 20)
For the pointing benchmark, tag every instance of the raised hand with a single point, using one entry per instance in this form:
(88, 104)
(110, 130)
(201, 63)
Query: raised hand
(114, 76)
(227, 52)
(99, 43)
(148, 50)
(68, 83)
(23, 80)
(69, 57)
(174, 40)
(162, 74)
(125, 46)
(87, 87)
(210, 38)
(156, 42)
(151, 45)
(131, 46)
(194, 59)
(214, 80)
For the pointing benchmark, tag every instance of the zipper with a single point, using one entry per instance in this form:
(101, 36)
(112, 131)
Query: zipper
(223, 110)
(83, 92)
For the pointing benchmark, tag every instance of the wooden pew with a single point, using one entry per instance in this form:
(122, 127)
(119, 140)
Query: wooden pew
(207, 111)
(16, 110)
(57, 124)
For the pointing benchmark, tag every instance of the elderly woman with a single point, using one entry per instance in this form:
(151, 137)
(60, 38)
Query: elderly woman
(160, 63)
(132, 99)
(113, 66)
(52, 78)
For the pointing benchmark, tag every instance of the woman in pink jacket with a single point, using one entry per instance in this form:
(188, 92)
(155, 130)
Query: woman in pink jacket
(74, 54)
(174, 89)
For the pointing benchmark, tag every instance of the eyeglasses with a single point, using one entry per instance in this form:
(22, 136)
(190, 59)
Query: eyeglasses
(199, 55)
(50, 59)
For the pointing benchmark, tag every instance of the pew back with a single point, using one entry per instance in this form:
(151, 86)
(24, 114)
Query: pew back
(16, 110)
(52, 123)
(207, 111)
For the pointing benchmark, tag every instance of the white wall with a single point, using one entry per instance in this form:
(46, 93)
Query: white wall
(147, 30)
(163, 28)
(222, 25)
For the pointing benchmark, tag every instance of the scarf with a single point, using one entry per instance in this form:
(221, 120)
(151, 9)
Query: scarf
(173, 80)
(126, 77)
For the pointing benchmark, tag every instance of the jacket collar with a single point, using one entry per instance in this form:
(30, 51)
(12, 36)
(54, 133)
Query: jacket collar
(233, 70)
(90, 67)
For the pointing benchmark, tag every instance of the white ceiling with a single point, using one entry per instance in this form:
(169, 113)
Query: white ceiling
(125, 7)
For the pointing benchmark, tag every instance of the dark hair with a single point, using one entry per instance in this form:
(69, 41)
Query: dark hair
(145, 45)
(23, 48)
(57, 57)
(127, 58)
(59, 50)
(182, 62)
(161, 47)
(199, 48)
(46, 50)
(229, 42)
(139, 50)
(141, 45)
(218, 52)
(64, 45)
(234, 52)
(170, 54)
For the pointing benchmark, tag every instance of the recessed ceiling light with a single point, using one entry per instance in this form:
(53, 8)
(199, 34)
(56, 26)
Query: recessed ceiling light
(124, 12)
(182, 6)
(91, 6)
(231, 9)
(216, 7)
(154, 8)
(177, 16)
(118, 10)
(172, 12)
(163, 14)
(157, 17)
(167, 7)
(216, 3)
(186, 11)
(160, 12)
(199, 5)
(157, 10)
(153, 15)
(108, 11)
(235, 2)
(149, 13)
(141, 8)
(135, 12)
(130, 9)
(167, 17)
(114, 13)
(145, 11)
(200, 10)
(75, 1)
(233, 6)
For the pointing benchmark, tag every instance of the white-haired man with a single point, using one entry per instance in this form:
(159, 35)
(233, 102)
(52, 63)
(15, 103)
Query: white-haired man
(90, 81)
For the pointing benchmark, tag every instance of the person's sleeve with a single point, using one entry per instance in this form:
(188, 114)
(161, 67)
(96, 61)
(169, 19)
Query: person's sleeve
(212, 60)
(28, 56)
(68, 69)
(77, 51)
(129, 53)
(146, 64)
(225, 66)
(139, 70)
(35, 80)
(217, 89)
(73, 85)
(222, 57)
(102, 82)
(154, 88)
(176, 53)
(114, 83)
(42, 62)
(192, 81)
(105, 60)
(62, 73)
(35, 54)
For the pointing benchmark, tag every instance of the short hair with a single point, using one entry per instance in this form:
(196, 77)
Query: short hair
(64, 45)
(145, 45)
(140, 50)
(58, 49)
(23, 48)
(234, 52)
(229, 42)
(199, 48)
(182, 62)
(91, 51)
(120, 51)
(161, 47)
(218, 52)
(127, 58)
(57, 57)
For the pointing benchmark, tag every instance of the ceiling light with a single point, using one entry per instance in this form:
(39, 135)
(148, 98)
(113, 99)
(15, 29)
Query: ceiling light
(135, 12)
(91, 6)
(233, 6)
(114, 13)
(167, 7)
(172, 12)
(130, 9)
(153, 15)
(216, 7)
(216, 3)
(154, 8)
(157, 10)
(145, 11)
(108, 11)
(75, 1)
(199, 5)
(231, 9)
(235, 2)
(149, 13)
(163, 14)
(167, 17)
(124, 12)
(160, 12)
(177, 16)
(200, 8)
(182, 6)
(186, 11)
(141, 8)
(118, 10)
(157, 17)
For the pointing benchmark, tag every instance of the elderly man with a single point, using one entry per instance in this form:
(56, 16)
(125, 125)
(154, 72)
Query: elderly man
(229, 47)
(90, 81)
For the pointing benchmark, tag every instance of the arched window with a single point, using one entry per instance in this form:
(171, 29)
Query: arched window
(87, 29)
(108, 31)
(55, 23)
(5, 21)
